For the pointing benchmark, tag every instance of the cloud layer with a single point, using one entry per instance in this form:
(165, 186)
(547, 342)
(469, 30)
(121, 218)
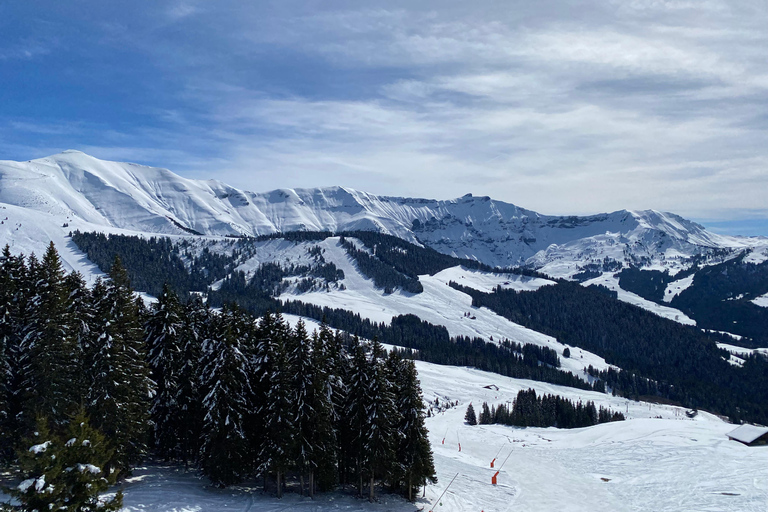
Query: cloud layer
(561, 107)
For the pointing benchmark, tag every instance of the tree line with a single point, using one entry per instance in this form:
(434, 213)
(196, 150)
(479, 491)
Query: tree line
(657, 356)
(235, 397)
(530, 410)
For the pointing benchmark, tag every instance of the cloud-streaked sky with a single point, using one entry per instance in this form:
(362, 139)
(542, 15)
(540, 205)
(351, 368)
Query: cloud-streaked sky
(564, 107)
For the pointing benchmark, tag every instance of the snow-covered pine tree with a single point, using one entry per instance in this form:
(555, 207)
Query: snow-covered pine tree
(302, 398)
(383, 417)
(41, 468)
(414, 454)
(81, 313)
(260, 356)
(65, 472)
(85, 453)
(322, 468)
(54, 376)
(119, 396)
(164, 331)
(279, 432)
(12, 272)
(196, 327)
(225, 380)
(339, 366)
(357, 412)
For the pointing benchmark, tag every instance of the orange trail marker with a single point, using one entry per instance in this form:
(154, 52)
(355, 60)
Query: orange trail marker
(493, 478)
(497, 455)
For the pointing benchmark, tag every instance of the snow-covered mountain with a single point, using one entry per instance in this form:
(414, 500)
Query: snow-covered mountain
(77, 188)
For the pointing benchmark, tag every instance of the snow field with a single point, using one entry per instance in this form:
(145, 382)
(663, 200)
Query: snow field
(642, 464)
(610, 281)
(438, 304)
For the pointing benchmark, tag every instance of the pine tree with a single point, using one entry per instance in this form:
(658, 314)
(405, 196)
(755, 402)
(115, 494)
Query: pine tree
(226, 386)
(382, 436)
(414, 453)
(118, 398)
(356, 410)
(322, 436)
(53, 381)
(65, 473)
(165, 331)
(279, 432)
(11, 275)
(302, 398)
(197, 320)
(470, 417)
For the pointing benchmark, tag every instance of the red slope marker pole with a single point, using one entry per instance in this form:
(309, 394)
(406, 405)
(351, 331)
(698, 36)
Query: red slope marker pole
(494, 480)
(497, 455)
(432, 509)
(446, 433)
(458, 439)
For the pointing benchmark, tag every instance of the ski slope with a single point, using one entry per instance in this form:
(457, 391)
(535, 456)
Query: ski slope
(438, 304)
(659, 460)
(610, 281)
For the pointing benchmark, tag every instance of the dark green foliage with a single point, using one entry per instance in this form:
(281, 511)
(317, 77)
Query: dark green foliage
(414, 466)
(485, 415)
(384, 276)
(470, 417)
(675, 361)
(150, 263)
(119, 385)
(719, 298)
(529, 410)
(225, 382)
(166, 336)
(433, 344)
(65, 471)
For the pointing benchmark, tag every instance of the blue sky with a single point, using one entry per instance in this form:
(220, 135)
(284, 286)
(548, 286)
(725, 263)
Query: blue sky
(564, 107)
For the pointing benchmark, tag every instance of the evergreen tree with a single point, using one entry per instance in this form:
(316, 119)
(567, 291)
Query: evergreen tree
(414, 453)
(65, 472)
(188, 400)
(470, 416)
(226, 386)
(165, 331)
(12, 273)
(53, 378)
(279, 432)
(322, 436)
(485, 415)
(382, 436)
(302, 397)
(356, 410)
(120, 389)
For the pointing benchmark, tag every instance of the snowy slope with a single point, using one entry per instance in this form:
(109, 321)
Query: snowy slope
(75, 186)
(438, 304)
(610, 281)
(658, 460)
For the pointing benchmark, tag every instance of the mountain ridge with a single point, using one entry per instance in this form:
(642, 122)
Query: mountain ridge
(75, 186)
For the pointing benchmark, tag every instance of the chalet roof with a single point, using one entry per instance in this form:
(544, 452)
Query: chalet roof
(748, 433)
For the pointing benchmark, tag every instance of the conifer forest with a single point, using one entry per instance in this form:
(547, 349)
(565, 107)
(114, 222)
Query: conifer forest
(94, 382)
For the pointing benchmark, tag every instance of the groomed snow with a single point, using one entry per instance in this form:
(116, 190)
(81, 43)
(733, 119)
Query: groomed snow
(658, 460)
(438, 304)
(610, 281)
(487, 282)
(675, 288)
(761, 301)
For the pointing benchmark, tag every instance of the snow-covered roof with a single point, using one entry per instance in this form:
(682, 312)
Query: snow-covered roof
(748, 433)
